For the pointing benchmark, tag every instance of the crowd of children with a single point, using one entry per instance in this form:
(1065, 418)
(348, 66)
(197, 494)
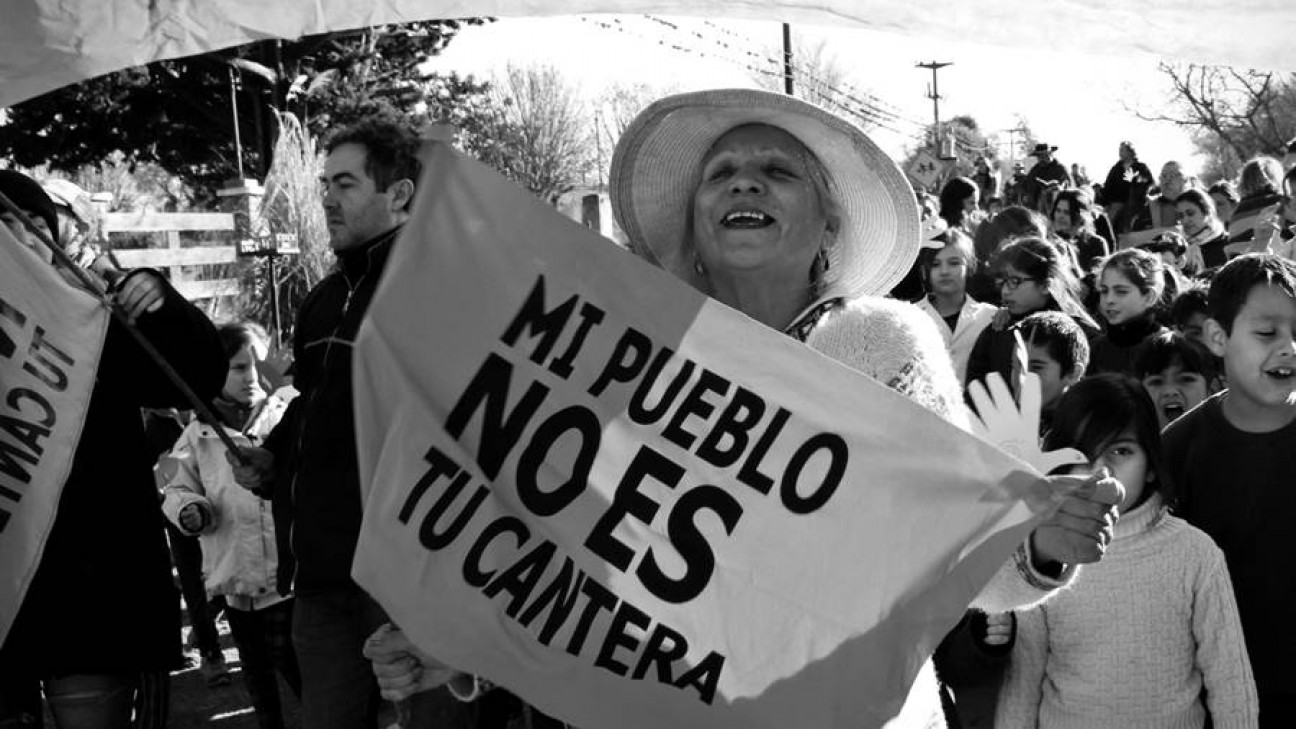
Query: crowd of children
(1171, 363)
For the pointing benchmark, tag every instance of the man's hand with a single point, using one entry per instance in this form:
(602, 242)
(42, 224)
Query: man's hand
(256, 469)
(401, 668)
(142, 292)
(1082, 527)
(193, 517)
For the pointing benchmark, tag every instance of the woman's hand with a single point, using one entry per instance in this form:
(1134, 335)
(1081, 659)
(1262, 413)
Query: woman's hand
(401, 668)
(1082, 527)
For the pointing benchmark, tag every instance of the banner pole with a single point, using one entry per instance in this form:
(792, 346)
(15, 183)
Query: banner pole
(96, 288)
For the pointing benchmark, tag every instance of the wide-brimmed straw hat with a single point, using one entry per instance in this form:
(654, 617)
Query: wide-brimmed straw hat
(657, 168)
(1042, 148)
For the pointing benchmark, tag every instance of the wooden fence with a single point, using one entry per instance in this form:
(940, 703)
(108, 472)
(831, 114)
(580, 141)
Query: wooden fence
(183, 263)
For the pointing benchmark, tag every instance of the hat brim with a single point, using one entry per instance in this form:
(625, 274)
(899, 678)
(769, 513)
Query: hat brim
(657, 166)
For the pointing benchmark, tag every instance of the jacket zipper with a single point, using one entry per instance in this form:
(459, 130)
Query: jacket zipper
(328, 348)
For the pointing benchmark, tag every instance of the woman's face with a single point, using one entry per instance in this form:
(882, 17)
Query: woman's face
(756, 208)
(1020, 293)
(1191, 217)
(948, 273)
(1062, 216)
(1126, 154)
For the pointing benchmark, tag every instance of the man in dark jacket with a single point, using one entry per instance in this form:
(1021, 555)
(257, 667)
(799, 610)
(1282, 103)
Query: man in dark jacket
(369, 178)
(1044, 180)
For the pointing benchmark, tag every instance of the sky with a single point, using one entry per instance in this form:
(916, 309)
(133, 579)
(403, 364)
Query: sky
(1075, 102)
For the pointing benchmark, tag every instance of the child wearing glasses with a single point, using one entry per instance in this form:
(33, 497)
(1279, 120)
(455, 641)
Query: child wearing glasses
(1032, 275)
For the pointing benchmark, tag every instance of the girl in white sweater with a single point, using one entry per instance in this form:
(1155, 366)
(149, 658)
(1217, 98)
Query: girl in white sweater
(1150, 636)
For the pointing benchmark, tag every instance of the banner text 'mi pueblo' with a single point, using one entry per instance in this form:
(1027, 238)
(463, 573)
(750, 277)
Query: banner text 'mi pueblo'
(26, 414)
(729, 427)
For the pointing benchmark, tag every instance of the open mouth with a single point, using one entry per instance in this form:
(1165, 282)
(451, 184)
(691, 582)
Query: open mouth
(1281, 373)
(746, 218)
(1172, 412)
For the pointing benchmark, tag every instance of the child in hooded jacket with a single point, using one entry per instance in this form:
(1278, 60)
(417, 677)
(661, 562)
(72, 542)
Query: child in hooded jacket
(234, 524)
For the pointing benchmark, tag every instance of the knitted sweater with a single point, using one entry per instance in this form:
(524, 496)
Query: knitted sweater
(1136, 639)
(897, 344)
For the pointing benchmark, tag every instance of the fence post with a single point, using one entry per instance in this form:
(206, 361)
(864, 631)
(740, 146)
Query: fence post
(242, 198)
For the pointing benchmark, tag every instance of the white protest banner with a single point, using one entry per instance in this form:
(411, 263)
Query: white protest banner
(636, 507)
(45, 44)
(51, 334)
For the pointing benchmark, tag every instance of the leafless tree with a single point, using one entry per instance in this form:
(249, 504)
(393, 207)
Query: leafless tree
(1234, 114)
(819, 77)
(539, 134)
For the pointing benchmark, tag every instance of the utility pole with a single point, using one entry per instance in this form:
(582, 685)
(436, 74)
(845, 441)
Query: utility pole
(933, 93)
(1012, 141)
(787, 59)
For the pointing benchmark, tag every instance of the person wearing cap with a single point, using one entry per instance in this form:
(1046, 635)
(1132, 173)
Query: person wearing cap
(1044, 179)
(1125, 188)
(794, 217)
(101, 613)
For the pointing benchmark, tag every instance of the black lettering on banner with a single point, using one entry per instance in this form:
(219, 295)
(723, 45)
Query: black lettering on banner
(692, 546)
(472, 570)
(590, 315)
(439, 465)
(576, 419)
(428, 535)
(835, 446)
(704, 677)
(26, 433)
(617, 637)
(52, 376)
(4, 519)
(736, 421)
(629, 501)
(548, 325)
(656, 652)
(488, 392)
(10, 455)
(562, 593)
(694, 404)
(638, 410)
(634, 344)
(520, 579)
(599, 598)
(750, 472)
(7, 344)
(19, 394)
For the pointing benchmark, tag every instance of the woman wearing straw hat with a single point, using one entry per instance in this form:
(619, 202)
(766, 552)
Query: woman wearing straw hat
(795, 218)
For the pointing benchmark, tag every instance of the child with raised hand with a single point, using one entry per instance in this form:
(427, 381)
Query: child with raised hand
(1177, 373)
(234, 524)
(1130, 286)
(1234, 458)
(1150, 636)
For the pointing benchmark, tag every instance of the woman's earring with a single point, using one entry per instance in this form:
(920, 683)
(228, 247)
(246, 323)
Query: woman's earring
(823, 259)
(698, 268)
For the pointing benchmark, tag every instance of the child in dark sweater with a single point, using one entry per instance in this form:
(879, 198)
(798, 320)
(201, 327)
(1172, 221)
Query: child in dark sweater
(1234, 458)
